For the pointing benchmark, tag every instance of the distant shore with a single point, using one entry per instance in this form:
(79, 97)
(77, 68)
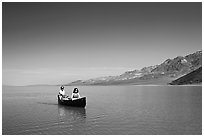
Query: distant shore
(200, 84)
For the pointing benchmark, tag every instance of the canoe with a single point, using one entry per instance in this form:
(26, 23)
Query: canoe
(80, 102)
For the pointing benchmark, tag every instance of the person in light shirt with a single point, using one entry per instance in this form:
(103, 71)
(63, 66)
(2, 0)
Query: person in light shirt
(62, 92)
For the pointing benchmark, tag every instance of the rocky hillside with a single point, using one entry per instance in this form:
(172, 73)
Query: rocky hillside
(167, 71)
(180, 65)
(194, 77)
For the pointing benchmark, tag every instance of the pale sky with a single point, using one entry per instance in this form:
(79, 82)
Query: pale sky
(56, 43)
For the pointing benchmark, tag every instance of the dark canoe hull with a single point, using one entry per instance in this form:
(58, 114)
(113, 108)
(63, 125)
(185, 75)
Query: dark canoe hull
(81, 102)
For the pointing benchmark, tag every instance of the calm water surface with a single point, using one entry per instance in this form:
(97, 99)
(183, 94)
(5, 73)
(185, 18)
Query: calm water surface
(110, 110)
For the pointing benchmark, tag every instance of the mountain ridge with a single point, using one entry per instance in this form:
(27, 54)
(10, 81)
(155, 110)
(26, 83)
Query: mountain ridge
(169, 70)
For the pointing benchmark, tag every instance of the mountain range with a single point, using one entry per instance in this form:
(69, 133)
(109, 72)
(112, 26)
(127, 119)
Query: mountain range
(164, 73)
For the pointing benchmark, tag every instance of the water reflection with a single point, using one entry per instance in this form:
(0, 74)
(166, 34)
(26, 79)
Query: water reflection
(71, 113)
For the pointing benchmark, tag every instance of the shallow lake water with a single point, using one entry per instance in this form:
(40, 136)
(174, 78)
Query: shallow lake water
(110, 110)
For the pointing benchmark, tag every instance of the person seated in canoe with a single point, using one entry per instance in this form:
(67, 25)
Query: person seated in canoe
(75, 94)
(62, 92)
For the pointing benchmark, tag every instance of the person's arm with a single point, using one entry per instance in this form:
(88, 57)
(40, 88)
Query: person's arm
(72, 95)
(65, 94)
(60, 92)
(79, 95)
